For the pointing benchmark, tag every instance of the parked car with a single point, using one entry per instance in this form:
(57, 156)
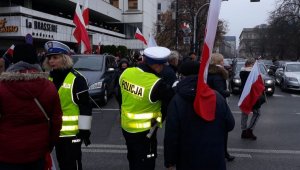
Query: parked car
(235, 84)
(288, 76)
(100, 73)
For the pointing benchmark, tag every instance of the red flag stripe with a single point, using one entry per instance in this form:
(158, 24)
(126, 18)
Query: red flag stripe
(256, 91)
(86, 13)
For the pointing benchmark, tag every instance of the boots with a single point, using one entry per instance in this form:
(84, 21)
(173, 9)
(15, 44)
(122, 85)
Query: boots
(248, 134)
(251, 135)
(245, 134)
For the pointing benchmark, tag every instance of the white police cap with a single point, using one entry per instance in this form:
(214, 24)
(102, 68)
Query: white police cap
(156, 55)
(55, 47)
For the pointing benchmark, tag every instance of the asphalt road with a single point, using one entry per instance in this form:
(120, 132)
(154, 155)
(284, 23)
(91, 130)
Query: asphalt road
(277, 146)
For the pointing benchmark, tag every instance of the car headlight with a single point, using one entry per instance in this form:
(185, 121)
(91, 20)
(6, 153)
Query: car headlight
(237, 81)
(292, 79)
(97, 85)
(269, 82)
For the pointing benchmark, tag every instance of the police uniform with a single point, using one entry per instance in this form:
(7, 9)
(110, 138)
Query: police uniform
(144, 100)
(77, 111)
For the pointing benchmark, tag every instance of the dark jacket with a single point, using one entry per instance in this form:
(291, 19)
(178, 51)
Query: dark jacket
(190, 142)
(216, 79)
(25, 135)
(168, 75)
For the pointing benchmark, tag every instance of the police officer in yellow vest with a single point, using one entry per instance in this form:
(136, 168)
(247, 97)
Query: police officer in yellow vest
(144, 102)
(74, 98)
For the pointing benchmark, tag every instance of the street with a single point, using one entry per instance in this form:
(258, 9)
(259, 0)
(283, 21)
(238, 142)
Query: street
(276, 148)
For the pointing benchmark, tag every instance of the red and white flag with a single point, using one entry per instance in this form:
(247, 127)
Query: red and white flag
(205, 100)
(80, 32)
(86, 13)
(10, 51)
(138, 35)
(253, 89)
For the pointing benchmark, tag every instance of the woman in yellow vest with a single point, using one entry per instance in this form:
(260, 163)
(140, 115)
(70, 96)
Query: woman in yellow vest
(74, 98)
(143, 107)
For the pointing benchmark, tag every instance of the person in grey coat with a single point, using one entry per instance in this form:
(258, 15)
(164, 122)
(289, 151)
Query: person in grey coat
(191, 142)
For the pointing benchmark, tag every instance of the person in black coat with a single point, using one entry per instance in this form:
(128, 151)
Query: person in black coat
(191, 142)
(216, 79)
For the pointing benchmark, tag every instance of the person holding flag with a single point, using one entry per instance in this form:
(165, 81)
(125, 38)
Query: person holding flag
(198, 117)
(251, 98)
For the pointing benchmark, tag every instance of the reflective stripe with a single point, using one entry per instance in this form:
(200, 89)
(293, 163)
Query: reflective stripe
(85, 122)
(70, 118)
(69, 128)
(158, 119)
(140, 115)
(139, 125)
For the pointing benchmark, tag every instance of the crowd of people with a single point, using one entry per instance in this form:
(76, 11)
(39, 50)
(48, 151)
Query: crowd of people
(50, 101)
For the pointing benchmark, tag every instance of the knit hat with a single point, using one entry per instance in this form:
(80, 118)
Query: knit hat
(25, 53)
(189, 68)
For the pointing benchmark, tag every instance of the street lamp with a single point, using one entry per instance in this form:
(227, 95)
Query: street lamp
(195, 24)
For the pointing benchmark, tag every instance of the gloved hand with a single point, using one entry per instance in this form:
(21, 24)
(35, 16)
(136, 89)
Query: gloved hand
(84, 135)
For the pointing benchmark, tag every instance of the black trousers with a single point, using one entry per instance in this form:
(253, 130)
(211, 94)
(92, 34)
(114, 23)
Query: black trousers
(68, 153)
(36, 165)
(141, 151)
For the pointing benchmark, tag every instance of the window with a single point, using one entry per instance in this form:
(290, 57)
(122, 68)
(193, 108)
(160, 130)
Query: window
(159, 6)
(158, 17)
(115, 3)
(132, 4)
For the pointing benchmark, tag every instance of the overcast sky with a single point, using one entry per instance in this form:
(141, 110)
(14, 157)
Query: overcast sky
(241, 14)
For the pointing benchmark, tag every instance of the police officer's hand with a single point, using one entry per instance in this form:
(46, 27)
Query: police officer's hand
(84, 135)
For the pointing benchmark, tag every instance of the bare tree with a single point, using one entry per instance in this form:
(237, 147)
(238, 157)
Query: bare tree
(166, 33)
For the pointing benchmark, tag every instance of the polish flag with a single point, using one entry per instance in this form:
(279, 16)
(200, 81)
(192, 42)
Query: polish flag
(254, 87)
(205, 100)
(80, 32)
(86, 13)
(138, 35)
(152, 42)
(10, 51)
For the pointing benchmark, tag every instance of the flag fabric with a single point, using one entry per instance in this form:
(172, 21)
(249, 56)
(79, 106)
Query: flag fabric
(10, 51)
(205, 100)
(49, 162)
(86, 13)
(151, 42)
(138, 35)
(80, 32)
(254, 88)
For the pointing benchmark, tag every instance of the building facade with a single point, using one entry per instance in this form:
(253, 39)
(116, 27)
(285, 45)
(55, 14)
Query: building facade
(112, 22)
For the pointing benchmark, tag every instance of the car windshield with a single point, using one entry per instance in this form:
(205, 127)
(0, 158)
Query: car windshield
(239, 67)
(88, 63)
(293, 68)
(262, 69)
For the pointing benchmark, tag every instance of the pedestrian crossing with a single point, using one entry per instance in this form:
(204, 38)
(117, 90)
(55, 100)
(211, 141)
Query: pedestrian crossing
(237, 152)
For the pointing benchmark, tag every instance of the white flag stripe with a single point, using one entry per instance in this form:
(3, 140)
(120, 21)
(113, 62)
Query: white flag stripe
(211, 29)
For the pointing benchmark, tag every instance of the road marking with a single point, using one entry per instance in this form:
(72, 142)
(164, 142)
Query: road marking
(278, 95)
(122, 149)
(235, 112)
(294, 152)
(294, 95)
